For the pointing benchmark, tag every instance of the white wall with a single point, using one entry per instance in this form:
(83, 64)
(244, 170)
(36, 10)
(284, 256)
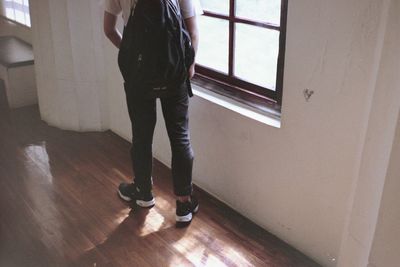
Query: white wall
(298, 182)
(375, 155)
(386, 247)
(68, 47)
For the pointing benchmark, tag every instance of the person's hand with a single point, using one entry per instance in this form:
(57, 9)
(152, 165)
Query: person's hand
(192, 71)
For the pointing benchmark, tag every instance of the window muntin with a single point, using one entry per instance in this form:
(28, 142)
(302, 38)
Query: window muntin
(18, 10)
(253, 58)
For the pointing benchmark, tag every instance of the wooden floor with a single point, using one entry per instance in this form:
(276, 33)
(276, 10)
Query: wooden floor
(59, 207)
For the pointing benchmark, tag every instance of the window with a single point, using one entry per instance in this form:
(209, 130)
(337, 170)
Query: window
(18, 10)
(242, 47)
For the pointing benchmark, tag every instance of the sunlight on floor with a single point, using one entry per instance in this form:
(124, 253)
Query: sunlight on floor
(155, 219)
(153, 223)
(37, 154)
(203, 255)
(121, 216)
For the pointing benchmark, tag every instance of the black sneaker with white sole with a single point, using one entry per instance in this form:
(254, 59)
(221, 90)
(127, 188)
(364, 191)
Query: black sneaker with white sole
(186, 210)
(130, 192)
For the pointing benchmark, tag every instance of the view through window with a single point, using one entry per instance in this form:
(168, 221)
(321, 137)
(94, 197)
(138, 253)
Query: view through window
(18, 10)
(242, 44)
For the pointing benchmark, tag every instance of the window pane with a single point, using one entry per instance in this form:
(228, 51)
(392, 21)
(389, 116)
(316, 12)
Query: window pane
(9, 9)
(19, 16)
(19, 11)
(256, 55)
(216, 6)
(260, 10)
(25, 6)
(214, 45)
(27, 20)
(10, 13)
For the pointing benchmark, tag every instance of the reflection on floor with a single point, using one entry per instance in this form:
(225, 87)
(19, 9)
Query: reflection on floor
(59, 207)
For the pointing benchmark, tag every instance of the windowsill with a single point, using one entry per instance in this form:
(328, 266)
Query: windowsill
(15, 22)
(267, 115)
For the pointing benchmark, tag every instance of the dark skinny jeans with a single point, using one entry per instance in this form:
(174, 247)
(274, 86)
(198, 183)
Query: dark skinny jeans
(142, 112)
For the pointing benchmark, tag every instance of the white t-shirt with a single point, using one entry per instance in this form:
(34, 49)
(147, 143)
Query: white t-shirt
(189, 8)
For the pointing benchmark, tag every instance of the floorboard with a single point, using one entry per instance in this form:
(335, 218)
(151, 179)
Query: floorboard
(59, 207)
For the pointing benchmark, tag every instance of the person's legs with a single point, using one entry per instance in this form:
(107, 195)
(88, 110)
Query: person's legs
(175, 111)
(142, 113)
(143, 123)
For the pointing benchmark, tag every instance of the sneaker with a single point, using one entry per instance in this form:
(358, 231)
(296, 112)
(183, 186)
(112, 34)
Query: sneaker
(129, 192)
(186, 210)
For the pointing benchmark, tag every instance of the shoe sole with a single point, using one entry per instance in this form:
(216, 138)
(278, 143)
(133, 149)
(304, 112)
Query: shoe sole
(146, 204)
(141, 203)
(187, 218)
(127, 199)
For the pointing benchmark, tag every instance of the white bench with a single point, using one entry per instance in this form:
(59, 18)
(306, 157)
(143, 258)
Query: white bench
(17, 71)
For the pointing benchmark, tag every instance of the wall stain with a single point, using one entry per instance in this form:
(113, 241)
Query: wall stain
(307, 94)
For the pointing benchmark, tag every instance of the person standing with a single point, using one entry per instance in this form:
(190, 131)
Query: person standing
(142, 113)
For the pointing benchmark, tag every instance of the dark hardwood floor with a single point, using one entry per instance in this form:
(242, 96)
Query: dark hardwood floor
(59, 207)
